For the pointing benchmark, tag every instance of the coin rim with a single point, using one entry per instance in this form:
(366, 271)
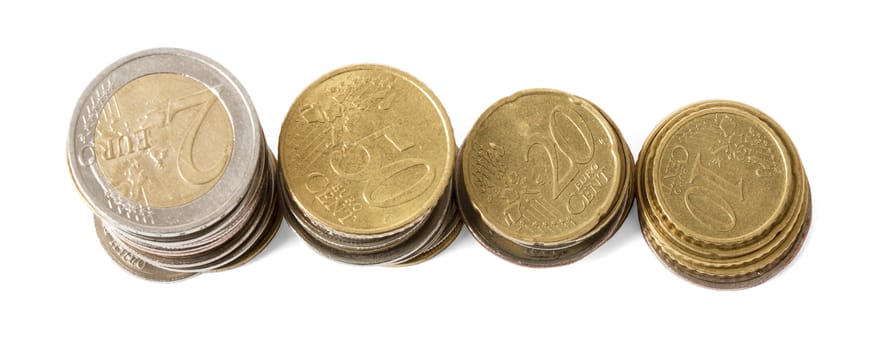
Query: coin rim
(231, 186)
(618, 146)
(434, 195)
(154, 274)
(800, 214)
(689, 113)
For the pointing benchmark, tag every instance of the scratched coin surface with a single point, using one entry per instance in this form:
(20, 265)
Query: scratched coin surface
(724, 199)
(166, 149)
(542, 167)
(545, 177)
(366, 150)
(163, 140)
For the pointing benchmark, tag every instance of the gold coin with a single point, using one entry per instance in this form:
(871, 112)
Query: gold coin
(723, 176)
(367, 155)
(366, 150)
(723, 197)
(544, 177)
(438, 246)
(163, 140)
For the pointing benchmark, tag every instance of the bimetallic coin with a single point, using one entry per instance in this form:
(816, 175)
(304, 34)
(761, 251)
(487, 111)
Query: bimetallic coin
(367, 154)
(544, 178)
(132, 263)
(163, 140)
(147, 130)
(166, 149)
(724, 199)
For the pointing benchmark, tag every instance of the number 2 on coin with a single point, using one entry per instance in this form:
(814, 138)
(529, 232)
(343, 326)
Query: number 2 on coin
(570, 136)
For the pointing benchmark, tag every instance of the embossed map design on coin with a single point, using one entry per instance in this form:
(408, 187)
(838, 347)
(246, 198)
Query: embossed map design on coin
(723, 174)
(723, 197)
(367, 151)
(367, 154)
(163, 140)
(545, 178)
(542, 168)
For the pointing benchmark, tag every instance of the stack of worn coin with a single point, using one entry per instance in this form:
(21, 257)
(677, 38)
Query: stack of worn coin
(166, 149)
(723, 197)
(544, 178)
(367, 154)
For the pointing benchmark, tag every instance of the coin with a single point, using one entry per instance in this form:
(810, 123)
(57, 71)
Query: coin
(723, 197)
(132, 263)
(544, 178)
(438, 246)
(166, 149)
(367, 154)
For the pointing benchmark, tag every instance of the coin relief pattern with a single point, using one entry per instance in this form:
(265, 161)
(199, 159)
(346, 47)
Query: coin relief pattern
(546, 175)
(163, 140)
(365, 142)
(86, 153)
(721, 173)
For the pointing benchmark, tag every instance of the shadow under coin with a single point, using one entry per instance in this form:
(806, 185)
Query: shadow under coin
(627, 233)
(284, 237)
(463, 242)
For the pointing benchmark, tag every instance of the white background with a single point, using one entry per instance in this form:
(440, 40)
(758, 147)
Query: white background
(820, 70)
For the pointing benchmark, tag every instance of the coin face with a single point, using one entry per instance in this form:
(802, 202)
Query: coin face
(542, 167)
(166, 149)
(722, 175)
(366, 150)
(162, 143)
(163, 140)
(723, 197)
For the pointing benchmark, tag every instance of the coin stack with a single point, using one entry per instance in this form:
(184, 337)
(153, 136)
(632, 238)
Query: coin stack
(166, 149)
(723, 197)
(367, 154)
(544, 178)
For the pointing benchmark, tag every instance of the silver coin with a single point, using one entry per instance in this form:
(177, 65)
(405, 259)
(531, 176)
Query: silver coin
(133, 263)
(166, 149)
(136, 216)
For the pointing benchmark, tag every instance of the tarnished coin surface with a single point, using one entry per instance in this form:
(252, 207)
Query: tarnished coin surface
(166, 149)
(723, 197)
(367, 154)
(544, 172)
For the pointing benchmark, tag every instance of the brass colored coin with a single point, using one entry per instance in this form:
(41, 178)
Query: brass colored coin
(367, 155)
(133, 263)
(439, 246)
(366, 150)
(723, 197)
(726, 150)
(405, 249)
(532, 256)
(163, 140)
(543, 167)
(544, 178)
